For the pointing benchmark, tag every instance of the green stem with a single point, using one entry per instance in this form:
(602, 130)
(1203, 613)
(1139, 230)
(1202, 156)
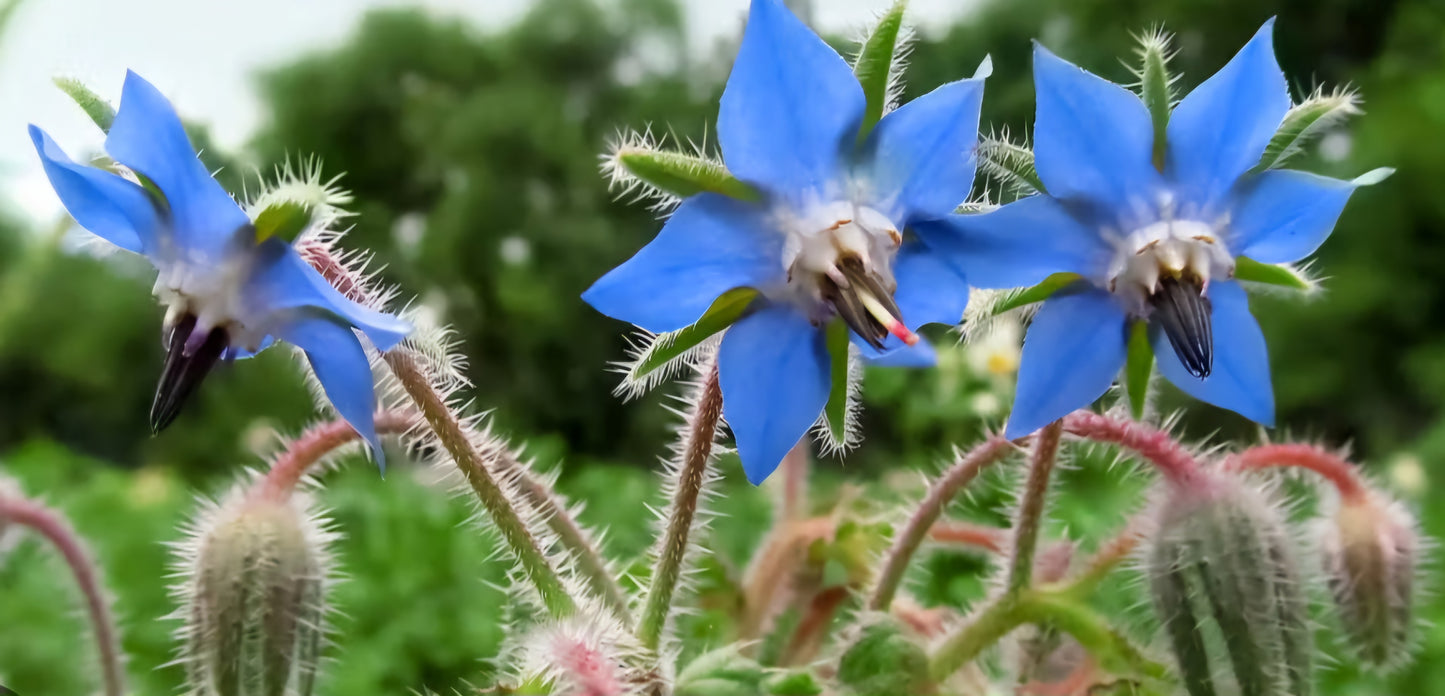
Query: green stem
(1031, 507)
(697, 449)
(958, 476)
(473, 464)
(590, 564)
(1112, 649)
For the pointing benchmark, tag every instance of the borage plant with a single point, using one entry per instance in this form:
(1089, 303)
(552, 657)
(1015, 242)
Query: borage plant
(834, 226)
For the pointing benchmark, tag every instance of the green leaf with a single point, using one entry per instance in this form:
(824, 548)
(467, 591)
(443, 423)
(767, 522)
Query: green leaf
(836, 411)
(99, 110)
(682, 175)
(1138, 367)
(875, 64)
(284, 219)
(1156, 87)
(725, 310)
(1252, 271)
(1037, 293)
(1306, 121)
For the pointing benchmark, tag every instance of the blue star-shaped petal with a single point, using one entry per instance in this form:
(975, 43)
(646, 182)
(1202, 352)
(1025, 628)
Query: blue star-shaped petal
(827, 241)
(1156, 244)
(227, 294)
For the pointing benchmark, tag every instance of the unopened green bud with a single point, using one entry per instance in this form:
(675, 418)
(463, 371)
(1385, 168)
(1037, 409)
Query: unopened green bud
(1223, 556)
(792, 684)
(722, 672)
(884, 662)
(256, 576)
(1371, 550)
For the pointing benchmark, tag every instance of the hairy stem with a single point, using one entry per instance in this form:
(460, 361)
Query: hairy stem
(569, 533)
(1031, 506)
(696, 453)
(1156, 447)
(963, 471)
(793, 499)
(1343, 475)
(982, 630)
(473, 464)
(590, 565)
(51, 525)
(813, 627)
(305, 451)
(1009, 611)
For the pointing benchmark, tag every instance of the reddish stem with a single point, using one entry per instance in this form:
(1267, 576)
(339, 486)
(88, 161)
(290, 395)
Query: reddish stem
(1342, 474)
(808, 636)
(991, 539)
(314, 444)
(1157, 447)
(58, 532)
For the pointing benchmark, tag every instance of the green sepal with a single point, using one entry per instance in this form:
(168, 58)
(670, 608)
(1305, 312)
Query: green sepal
(284, 219)
(725, 310)
(1156, 88)
(1138, 367)
(683, 175)
(1011, 164)
(1252, 271)
(836, 410)
(1037, 293)
(99, 110)
(1304, 122)
(875, 63)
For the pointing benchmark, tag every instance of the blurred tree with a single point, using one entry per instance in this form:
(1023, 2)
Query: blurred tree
(474, 161)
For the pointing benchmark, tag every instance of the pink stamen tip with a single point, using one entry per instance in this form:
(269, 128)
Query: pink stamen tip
(898, 329)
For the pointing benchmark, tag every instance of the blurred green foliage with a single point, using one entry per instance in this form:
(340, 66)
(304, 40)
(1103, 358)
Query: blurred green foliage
(473, 157)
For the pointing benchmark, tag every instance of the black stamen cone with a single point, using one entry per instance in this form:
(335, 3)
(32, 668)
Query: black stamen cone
(1182, 311)
(183, 372)
(850, 307)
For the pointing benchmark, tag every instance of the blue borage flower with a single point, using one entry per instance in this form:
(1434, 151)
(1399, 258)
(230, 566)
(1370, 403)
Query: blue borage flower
(1151, 243)
(228, 293)
(829, 239)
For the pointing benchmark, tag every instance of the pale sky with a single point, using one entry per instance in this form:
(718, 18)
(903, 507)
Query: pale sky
(203, 53)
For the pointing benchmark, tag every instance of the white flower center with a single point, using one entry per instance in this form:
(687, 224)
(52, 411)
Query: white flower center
(214, 294)
(839, 262)
(1183, 249)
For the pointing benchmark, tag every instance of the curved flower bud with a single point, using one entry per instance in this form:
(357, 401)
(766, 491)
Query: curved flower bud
(232, 285)
(255, 581)
(1222, 556)
(1371, 551)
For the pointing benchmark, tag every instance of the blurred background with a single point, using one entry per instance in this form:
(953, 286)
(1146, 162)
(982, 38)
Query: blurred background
(469, 132)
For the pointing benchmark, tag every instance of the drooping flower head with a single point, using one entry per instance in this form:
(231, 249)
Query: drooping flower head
(826, 239)
(228, 290)
(1153, 230)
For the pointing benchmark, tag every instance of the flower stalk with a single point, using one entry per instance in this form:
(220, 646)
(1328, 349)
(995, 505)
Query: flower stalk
(1113, 651)
(1156, 447)
(1341, 474)
(964, 470)
(474, 466)
(312, 446)
(53, 527)
(697, 449)
(1031, 508)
